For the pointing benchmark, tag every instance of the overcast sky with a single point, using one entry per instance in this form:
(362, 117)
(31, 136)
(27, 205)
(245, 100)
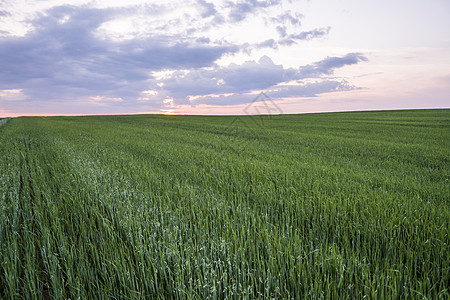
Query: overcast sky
(215, 57)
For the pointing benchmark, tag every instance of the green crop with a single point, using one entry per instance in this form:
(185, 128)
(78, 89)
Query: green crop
(336, 205)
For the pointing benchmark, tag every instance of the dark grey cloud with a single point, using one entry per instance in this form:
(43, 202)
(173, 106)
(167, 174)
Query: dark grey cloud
(62, 57)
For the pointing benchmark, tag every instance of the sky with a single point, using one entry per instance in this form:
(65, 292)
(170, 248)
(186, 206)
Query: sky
(80, 57)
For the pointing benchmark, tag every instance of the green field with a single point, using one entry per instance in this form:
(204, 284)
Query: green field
(335, 205)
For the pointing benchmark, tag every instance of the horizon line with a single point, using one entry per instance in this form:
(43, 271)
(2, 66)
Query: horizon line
(217, 115)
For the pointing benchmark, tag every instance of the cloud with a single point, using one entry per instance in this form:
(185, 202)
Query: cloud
(309, 35)
(288, 18)
(63, 58)
(71, 57)
(281, 31)
(208, 84)
(329, 64)
(248, 76)
(240, 10)
(208, 9)
(288, 39)
(270, 43)
(11, 94)
(312, 89)
(236, 11)
(296, 91)
(4, 13)
(203, 40)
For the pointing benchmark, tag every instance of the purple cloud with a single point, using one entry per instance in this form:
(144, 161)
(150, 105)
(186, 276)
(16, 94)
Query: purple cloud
(288, 17)
(64, 60)
(62, 57)
(4, 13)
(327, 66)
(312, 89)
(281, 31)
(297, 91)
(262, 75)
(289, 39)
(208, 9)
(312, 34)
(240, 10)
